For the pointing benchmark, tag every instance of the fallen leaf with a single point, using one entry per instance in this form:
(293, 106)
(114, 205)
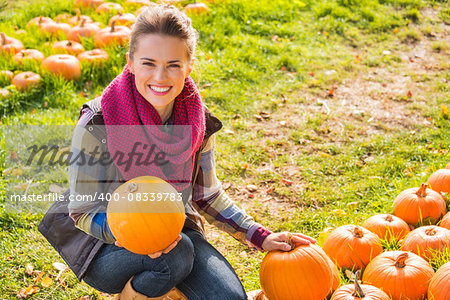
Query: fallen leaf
(396, 30)
(41, 274)
(323, 154)
(251, 188)
(357, 59)
(274, 38)
(46, 282)
(270, 190)
(353, 205)
(325, 33)
(282, 123)
(244, 166)
(350, 275)
(258, 117)
(286, 181)
(13, 155)
(409, 94)
(29, 269)
(59, 266)
(330, 93)
(229, 131)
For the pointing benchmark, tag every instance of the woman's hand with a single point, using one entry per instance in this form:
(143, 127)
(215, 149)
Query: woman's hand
(159, 253)
(279, 241)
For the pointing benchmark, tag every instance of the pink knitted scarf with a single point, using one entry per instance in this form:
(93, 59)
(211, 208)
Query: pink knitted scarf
(157, 152)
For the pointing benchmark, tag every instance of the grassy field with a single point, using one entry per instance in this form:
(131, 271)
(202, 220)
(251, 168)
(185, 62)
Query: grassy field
(331, 109)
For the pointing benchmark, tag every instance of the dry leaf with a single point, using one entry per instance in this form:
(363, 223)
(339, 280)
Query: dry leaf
(46, 282)
(409, 94)
(252, 188)
(350, 275)
(41, 274)
(353, 205)
(229, 131)
(29, 269)
(323, 154)
(59, 266)
(286, 181)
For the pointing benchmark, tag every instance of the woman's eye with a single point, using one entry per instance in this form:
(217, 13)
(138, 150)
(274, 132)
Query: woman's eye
(174, 66)
(149, 64)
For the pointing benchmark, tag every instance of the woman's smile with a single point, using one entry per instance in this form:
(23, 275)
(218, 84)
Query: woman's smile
(159, 90)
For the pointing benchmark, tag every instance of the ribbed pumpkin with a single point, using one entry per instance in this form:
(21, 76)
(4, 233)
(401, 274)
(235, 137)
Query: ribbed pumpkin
(196, 8)
(126, 19)
(78, 18)
(419, 206)
(26, 80)
(336, 276)
(402, 275)
(88, 3)
(387, 226)
(69, 47)
(145, 226)
(109, 7)
(426, 241)
(6, 74)
(357, 291)
(9, 45)
(439, 181)
(55, 28)
(93, 57)
(301, 273)
(29, 55)
(85, 29)
(445, 222)
(65, 65)
(439, 288)
(352, 247)
(112, 35)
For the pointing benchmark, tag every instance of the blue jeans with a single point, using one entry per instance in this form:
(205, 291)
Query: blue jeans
(194, 266)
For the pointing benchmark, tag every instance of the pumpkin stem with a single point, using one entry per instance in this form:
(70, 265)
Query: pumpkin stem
(358, 292)
(78, 13)
(131, 187)
(83, 21)
(430, 231)
(69, 44)
(40, 20)
(57, 19)
(289, 241)
(400, 262)
(422, 192)
(3, 37)
(389, 218)
(112, 26)
(357, 232)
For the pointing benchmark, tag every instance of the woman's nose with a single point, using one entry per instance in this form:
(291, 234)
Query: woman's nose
(161, 74)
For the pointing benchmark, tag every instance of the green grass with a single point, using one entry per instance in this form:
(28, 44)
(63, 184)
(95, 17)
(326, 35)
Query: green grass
(254, 56)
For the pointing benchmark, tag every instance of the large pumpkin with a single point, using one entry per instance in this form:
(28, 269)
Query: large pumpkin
(445, 222)
(112, 35)
(26, 80)
(352, 247)
(439, 288)
(439, 181)
(302, 273)
(402, 275)
(419, 206)
(356, 291)
(64, 65)
(85, 29)
(145, 214)
(387, 226)
(427, 241)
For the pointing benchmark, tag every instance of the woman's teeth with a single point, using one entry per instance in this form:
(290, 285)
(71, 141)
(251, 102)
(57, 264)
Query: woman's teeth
(159, 89)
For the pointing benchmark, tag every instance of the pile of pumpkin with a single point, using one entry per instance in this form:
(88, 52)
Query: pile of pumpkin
(69, 52)
(311, 272)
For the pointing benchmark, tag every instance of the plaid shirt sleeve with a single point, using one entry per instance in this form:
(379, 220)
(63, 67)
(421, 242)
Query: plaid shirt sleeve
(215, 205)
(88, 185)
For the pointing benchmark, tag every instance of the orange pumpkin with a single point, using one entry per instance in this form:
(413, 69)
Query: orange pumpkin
(445, 222)
(123, 19)
(26, 81)
(55, 28)
(439, 181)
(447, 166)
(83, 30)
(93, 57)
(426, 241)
(64, 65)
(109, 7)
(418, 206)
(145, 226)
(356, 291)
(119, 35)
(88, 3)
(69, 47)
(64, 17)
(402, 275)
(38, 21)
(9, 45)
(137, 3)
(352, 247)
(336, 276)
(76, 20)
(387, 227)
(196, 8)
(302, 273)
(439, 288)
(6, 74)
(29, 55)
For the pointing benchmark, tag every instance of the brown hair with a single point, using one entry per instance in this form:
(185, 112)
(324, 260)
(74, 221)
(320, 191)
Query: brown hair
(165, 20)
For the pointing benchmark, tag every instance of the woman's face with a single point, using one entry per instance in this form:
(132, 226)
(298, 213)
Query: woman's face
(160, 65)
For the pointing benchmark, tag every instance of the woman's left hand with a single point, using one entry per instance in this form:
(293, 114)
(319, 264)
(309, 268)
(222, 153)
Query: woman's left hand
(278, 241)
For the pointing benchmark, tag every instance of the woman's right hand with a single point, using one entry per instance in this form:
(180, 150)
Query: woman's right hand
(159, 253)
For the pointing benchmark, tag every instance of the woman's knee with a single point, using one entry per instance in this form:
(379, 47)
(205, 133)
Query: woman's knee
(181, 258)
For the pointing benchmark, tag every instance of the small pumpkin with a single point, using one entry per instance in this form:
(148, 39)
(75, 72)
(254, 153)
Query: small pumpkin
(145, 227)
(9, 45)
(196, 8)
(6, 74)
(387, 227)
(356, 291)
(64, 65)
(64, 17)
(119, 35)
(419, 206)
(93, 57)
(402, 275)
(55, 28)
(76, 20)
(109, 7)
(445, 222)
(303, 272)
(126, 19)
(69, 47)
(29, 55)
(26, 81)
(83, 30)
(88, 3)
(439, 288)
(352, 247)
(39, 21)
(439, 181)
(425, 241)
